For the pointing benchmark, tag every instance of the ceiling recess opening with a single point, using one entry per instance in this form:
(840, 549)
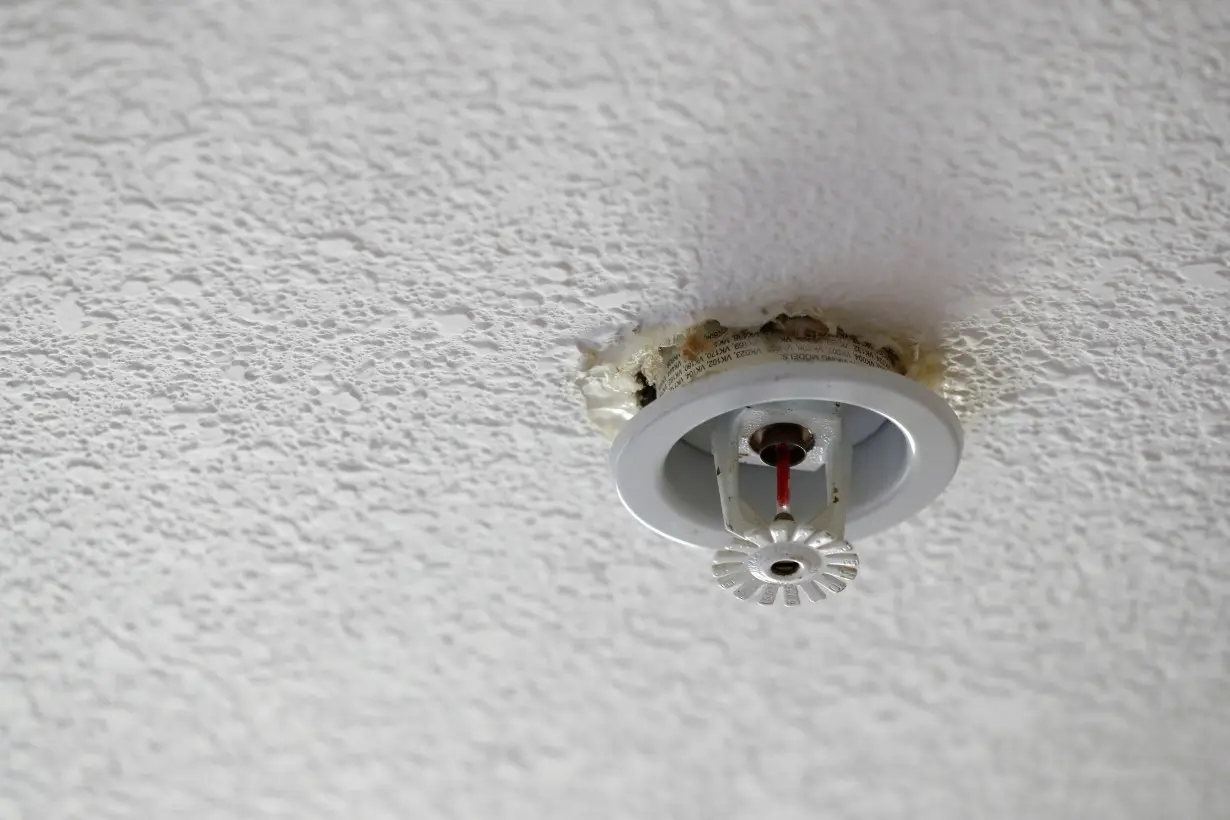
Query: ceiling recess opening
(779, 449)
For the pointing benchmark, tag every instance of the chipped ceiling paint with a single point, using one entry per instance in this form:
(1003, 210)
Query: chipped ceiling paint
(299, 514)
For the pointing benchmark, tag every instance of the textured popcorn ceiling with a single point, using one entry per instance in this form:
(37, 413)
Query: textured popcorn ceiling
(299, 518)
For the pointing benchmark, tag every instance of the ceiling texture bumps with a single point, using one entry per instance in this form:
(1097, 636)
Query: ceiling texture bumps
(302, 518)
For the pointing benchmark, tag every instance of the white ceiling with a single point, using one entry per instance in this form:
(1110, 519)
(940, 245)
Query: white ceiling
(299, 519)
